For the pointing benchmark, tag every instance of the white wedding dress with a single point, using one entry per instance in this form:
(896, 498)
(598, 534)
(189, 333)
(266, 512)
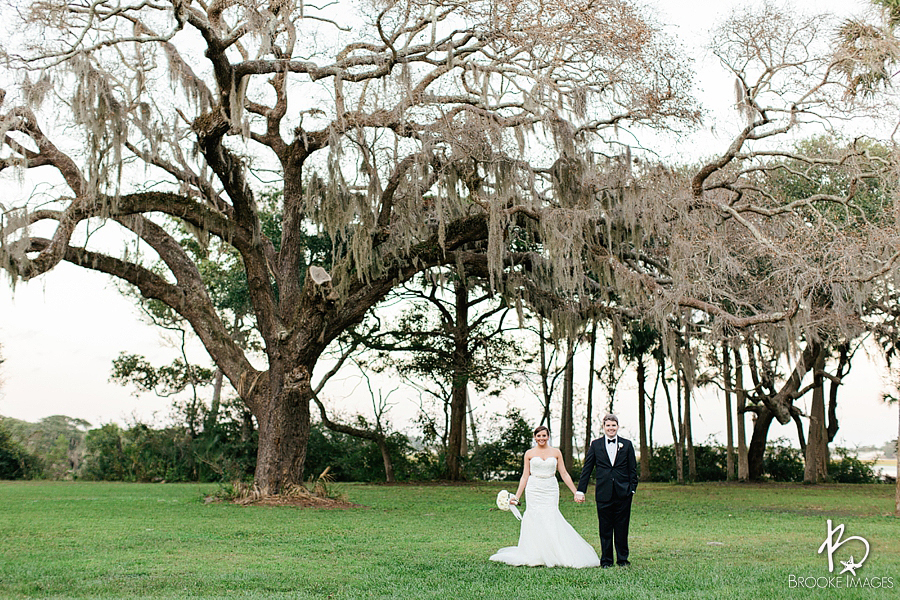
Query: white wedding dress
(546, 538)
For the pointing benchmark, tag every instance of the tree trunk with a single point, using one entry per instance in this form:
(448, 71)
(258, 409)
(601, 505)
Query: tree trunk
(459, 392)
(842, 369)
(566, 425)
(589, 434)
(642, 417)
(757, 451)
(677, 435)
(284, 424)
(816, 468)
(386, 458)
(688, 433)
(246, 425)
(457, 432)
(729, 425)
(471, 420)
(679, 461)
(545, 374)
(213, 415)
(662, 370)
(650, 444)
(897, 478)
(688, 370)
(741, 398)
(800, 436)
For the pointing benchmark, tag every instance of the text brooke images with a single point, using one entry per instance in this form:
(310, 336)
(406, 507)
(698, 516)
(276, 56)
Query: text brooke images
(840, 582)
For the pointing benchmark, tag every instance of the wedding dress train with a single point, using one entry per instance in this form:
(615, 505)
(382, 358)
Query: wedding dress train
(546, 538)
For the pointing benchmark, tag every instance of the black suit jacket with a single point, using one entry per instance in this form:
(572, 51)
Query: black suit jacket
(616, 481)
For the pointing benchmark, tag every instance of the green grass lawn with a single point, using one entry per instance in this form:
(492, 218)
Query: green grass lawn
(430, 541)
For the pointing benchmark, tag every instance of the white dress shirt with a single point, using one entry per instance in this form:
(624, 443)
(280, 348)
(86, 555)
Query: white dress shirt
(611, 449)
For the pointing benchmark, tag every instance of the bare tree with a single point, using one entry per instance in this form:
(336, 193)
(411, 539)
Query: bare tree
(789, 241)
(451, 336)
(798, 263)
(553, 363)
(376, 434)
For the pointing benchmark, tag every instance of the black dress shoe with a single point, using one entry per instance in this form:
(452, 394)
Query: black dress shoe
(623, 563)
(606, 566)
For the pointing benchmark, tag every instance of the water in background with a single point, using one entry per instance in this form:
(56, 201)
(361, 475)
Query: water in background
(882, 470)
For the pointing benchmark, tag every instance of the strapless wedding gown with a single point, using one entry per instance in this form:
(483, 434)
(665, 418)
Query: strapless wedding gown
(546, 538)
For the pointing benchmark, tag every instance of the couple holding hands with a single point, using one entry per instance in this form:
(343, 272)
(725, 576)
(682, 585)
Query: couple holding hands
(546, 538)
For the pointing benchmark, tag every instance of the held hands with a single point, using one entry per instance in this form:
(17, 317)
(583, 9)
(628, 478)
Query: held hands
(579, 497)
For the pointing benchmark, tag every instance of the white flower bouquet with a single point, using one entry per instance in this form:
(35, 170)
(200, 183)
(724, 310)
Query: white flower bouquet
(503, 504)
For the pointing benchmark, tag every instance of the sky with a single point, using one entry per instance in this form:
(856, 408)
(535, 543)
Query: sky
(60, 333)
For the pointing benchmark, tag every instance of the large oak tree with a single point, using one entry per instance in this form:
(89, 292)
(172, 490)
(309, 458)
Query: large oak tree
(412, 133)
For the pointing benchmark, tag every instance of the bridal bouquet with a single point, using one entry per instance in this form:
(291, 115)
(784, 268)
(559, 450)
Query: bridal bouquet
(503, 504)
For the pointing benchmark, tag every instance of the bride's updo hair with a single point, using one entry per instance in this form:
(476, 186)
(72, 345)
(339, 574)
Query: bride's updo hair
(540, 428)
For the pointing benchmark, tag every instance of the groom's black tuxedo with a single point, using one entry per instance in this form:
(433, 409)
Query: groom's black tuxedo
(613, 481)
(616, 483)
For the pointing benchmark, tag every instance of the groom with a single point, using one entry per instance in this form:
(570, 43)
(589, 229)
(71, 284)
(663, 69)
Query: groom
(617, 480)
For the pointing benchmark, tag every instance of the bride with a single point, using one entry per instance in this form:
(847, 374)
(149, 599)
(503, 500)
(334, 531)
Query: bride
(546, 538)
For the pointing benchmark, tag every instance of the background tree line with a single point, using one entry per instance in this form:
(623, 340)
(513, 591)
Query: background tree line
(62, 448)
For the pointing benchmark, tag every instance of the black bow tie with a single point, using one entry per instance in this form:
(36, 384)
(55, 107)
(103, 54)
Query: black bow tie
(610, 441)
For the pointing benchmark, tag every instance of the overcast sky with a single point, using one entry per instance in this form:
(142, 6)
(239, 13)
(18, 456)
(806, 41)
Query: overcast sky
(60, 333)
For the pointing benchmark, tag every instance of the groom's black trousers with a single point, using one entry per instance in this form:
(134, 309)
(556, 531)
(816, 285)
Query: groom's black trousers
(614, 517)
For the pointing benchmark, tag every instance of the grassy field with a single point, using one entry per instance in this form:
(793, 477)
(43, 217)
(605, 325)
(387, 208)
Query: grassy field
(701, 541)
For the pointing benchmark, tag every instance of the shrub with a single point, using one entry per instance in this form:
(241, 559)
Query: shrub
(849, 469)
(502, 459)
(492, 461)
(710, 463)
(105, 458)
(356, 459)
(782, 462)
(142, 453)
(662, 464)
(15, 461)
